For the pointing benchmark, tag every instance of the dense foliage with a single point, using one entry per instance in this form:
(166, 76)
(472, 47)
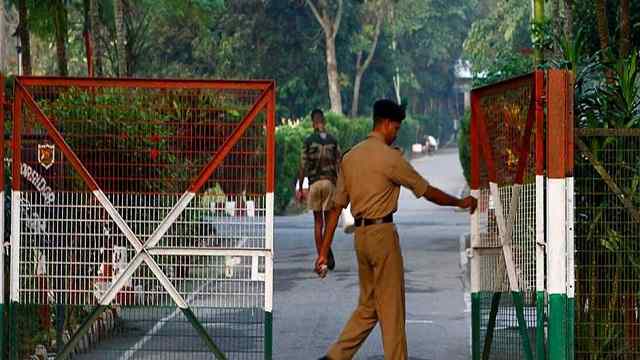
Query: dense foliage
(419, 42)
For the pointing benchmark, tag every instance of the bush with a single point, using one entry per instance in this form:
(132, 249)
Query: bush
(348, 131)
(289, 140)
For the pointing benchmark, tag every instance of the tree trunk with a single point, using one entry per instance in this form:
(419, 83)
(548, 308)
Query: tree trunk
(356, 86)
(557, 26)
(568, 19)
(330, 26)
(602, 23)
(86, 33)
(396, 85)
(60, 29)
(625, 29)
(332, 75)
(96, 37)
(23, 32)
(3, 43)
(538, 20)
(362, 67)
(603, 34)
(120, 37)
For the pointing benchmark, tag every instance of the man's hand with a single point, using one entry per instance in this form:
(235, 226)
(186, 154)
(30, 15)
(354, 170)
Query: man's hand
(321, 266)
(469, 202)
(300, 195)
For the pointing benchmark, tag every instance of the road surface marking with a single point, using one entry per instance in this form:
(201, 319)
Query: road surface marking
(419, 322)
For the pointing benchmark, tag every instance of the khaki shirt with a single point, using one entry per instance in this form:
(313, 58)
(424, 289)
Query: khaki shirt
(370, 178)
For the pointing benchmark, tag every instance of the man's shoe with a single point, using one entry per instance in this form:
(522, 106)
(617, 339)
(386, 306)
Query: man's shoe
(331, 261)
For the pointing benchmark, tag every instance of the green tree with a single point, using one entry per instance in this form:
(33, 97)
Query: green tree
(61, 29)
(371, 16)
(3, 42)
(625, 28)
(24, 34)
(95, 29)
(118, 6)
(329, 13)
(499, 42)
(429, 37)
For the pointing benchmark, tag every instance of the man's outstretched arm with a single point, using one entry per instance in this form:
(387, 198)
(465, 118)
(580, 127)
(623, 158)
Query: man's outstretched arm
(403, 173)
(441, 198)
(330, 229)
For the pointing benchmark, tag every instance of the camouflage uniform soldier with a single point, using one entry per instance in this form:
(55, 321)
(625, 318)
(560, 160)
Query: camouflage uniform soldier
(320, 162)
(370, 178)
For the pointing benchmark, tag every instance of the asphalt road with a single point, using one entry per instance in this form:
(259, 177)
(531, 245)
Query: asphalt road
(309, 313)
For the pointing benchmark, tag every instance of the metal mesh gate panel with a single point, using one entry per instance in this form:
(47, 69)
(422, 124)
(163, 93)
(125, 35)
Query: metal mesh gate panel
(142, 216)
(506, 259)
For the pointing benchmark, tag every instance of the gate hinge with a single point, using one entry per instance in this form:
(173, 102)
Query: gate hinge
(7, 248)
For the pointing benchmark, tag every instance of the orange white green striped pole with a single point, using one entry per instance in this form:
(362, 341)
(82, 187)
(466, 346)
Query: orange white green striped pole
(560, 213)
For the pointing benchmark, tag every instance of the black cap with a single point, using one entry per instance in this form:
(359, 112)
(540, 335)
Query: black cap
(388, 109)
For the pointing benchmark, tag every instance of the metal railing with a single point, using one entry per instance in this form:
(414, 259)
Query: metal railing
(607, 238)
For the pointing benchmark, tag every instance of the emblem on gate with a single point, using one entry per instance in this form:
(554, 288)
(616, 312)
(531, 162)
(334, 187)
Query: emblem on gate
(46, 155)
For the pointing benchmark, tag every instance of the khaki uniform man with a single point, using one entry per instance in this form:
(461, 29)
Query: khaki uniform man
(320, 162)
(370, 179)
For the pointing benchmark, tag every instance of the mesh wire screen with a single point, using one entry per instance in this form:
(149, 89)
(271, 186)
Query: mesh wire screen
(144, 147)
(505, 108)
(507, 341)
(607, 243)
(493, 269)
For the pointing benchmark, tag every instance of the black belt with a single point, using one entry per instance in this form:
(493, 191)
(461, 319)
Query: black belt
(367, 222)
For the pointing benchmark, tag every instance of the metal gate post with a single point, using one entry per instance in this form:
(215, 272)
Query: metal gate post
(14, 280)
(270, 200)
(569, 146)
(475, 232)
(559, 230)
(540, 215)
(3, 323)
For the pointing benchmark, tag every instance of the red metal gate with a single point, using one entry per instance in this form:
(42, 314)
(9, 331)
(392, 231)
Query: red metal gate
(147, 202)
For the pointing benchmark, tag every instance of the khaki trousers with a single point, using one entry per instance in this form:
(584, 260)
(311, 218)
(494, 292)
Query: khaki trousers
(321, 195)
(381, 274)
